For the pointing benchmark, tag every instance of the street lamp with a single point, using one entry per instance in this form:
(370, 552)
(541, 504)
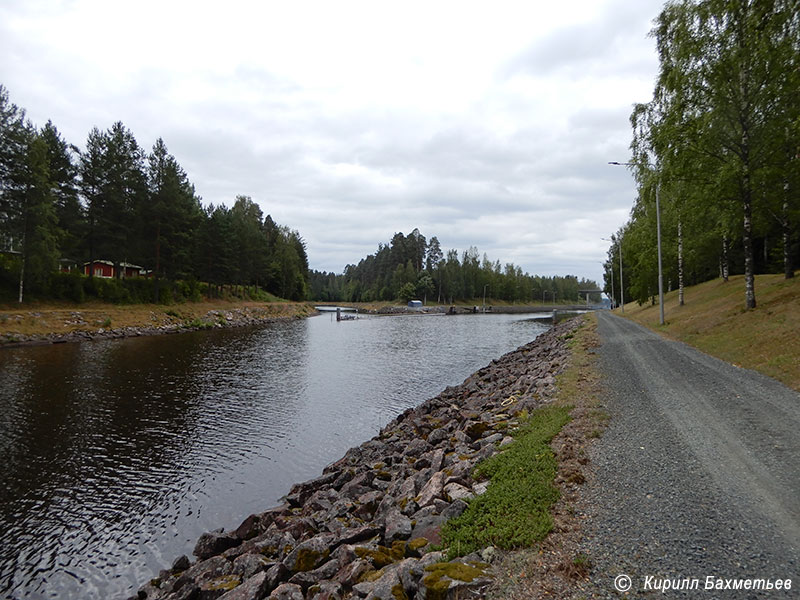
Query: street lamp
(658, 239)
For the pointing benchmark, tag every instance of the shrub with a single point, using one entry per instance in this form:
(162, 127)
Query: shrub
(67, 286)
(514, 512)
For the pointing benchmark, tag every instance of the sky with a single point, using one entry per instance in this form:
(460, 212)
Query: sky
(484, 124)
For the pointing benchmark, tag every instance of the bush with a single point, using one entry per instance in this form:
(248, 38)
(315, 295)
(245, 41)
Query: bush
(515, 510)
(139, 290)
(189, 289)
(67, 286)
(9, 277)
(407, 292)
(77, 287)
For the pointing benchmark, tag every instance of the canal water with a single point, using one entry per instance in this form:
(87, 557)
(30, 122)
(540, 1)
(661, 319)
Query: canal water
(118, 454)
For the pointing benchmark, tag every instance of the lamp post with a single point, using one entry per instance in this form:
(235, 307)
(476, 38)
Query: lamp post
(484, 297)
(658, 240)
(660, 270)
(621, 286)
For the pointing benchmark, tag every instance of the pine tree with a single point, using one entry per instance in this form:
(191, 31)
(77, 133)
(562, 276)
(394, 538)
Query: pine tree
(14, 137)
(37, 209)
(169, 217)
(63, 175)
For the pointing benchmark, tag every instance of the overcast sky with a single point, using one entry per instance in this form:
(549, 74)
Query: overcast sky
(485, 124)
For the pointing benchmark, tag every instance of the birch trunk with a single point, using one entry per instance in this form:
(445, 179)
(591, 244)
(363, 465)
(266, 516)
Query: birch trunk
(788, 270)
(749, 266)
(680, 264)
(724, 267)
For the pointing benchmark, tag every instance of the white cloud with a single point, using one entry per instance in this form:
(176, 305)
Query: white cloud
(483, 125)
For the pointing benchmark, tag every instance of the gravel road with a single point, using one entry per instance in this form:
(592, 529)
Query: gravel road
(698, 474)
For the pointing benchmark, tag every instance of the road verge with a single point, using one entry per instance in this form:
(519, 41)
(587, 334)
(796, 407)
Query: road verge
(555, 566)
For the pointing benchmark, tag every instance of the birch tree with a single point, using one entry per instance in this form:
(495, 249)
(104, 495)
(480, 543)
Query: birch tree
(726, 74)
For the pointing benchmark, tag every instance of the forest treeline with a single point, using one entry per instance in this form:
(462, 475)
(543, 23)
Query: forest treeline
(412, 267)
(719, 147)
(63, 207)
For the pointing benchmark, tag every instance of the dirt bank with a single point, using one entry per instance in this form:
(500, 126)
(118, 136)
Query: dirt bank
(48, 324)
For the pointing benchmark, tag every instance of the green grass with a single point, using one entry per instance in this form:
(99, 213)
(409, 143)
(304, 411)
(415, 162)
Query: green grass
(713, 319)
(514, 511)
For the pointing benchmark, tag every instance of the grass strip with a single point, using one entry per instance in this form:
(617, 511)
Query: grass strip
(713, 319)
(515, 510)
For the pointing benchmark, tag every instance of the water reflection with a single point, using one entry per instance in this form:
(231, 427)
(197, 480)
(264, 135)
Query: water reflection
(118, 454)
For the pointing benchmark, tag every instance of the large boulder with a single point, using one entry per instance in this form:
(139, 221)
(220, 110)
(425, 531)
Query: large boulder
(310, 554)
(455, 579)
(326, 590)
(253, 588)
(430, 528)
(433, 489)
(456, 491)
(249, 564)
(213, 543)
(287, 591)
(398, 526)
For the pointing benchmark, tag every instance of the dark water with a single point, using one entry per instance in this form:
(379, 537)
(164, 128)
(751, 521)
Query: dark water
(117, 455)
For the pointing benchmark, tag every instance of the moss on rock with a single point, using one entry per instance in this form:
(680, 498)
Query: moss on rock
(399, 592)
(226, 583)
(417, 544)
(440, 576)
(307, 559)
(379, 557)
(398, 550)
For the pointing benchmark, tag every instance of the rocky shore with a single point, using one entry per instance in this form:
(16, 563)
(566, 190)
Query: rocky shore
(370, 525)
(80, 326)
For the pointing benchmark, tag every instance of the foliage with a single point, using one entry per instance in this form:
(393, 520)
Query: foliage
(514, 511)
(407, 292)
(713, 321)
(719, 142)
(67, 286)
(115, 202)
(407, 268)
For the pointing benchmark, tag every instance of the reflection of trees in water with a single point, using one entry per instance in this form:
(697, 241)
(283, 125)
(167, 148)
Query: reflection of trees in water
(105, 442)
(127, 450)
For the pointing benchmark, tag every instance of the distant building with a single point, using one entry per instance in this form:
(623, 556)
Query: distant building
(67, 265)
(105, 268)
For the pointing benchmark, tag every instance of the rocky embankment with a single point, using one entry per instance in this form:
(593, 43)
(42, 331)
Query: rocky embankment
(81, 327)
(368, 527)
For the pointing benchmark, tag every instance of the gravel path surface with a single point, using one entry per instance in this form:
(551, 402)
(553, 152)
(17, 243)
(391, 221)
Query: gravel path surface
(697, 476)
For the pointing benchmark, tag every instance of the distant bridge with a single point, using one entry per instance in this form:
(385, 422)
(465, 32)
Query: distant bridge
(589, 293)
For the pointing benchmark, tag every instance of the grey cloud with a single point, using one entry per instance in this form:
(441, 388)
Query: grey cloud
(599, 45)
(348, 177)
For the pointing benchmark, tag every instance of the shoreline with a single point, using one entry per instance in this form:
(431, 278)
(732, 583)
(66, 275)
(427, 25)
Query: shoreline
(368, 526)
(460, 309)
(42, 326)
